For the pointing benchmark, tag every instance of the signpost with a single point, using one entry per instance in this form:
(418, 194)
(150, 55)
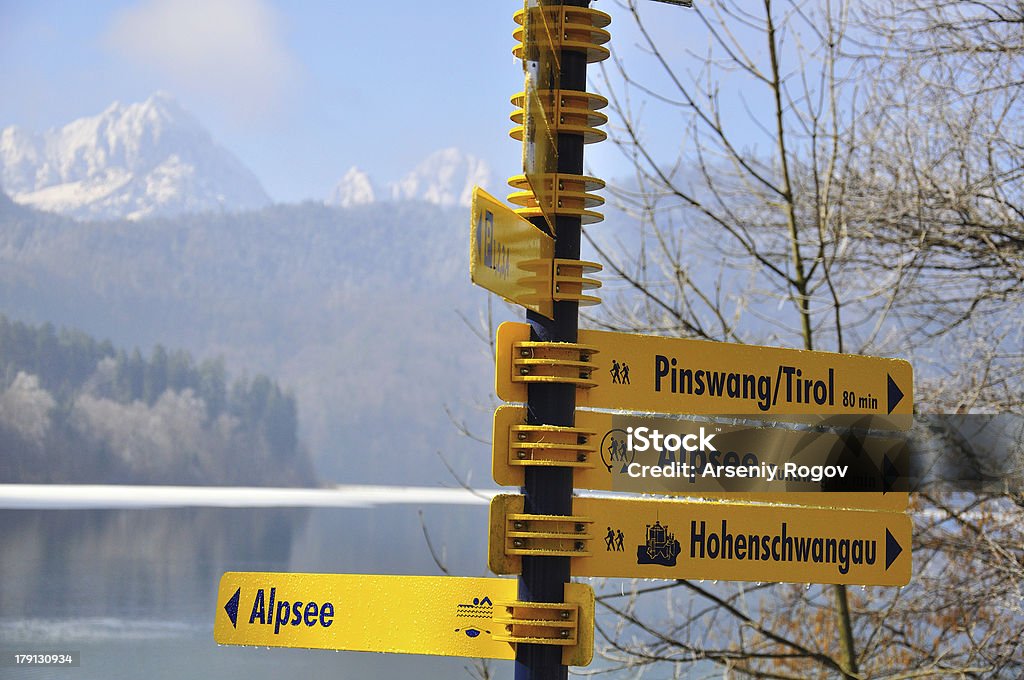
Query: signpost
(646, 454)
(437, 615)
(639, 538)
(542, 620)
(676, 375)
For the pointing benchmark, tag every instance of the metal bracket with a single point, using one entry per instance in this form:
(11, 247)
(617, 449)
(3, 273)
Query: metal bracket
(582, 30)
(545, 623)
(553, 362)
(539, 283)
(575, 113)
(547, 535)
(568, 624)
(551, 445)
(571, 194)
(560, 280)
(514, 534)
(568, 281)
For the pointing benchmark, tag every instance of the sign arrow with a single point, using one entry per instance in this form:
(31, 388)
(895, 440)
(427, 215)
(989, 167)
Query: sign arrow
(672, 539)
(232, 607)
(667, 375)
(892, 549)
(895, 393)
(443, 615)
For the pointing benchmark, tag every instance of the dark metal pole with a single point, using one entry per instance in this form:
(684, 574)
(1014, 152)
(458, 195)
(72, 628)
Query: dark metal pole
(548, 490)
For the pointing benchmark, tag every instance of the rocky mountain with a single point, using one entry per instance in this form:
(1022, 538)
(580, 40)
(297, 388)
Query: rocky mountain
(154, 159)
(444, 178)
(130, 161)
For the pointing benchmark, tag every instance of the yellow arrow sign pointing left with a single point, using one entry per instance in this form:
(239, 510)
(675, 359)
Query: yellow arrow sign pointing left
(439, 615)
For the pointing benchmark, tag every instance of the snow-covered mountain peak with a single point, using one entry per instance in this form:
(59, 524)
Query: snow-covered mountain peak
(354, 188)
(445, 177)
(134, 160)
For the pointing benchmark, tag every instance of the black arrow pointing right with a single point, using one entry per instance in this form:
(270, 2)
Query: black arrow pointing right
(895, 394)
(892, 549)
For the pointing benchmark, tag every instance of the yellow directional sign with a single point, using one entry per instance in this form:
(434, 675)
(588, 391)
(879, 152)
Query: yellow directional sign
(508, 255)
(692, 457)
(439, 615)
(671, 539)
(675, 375)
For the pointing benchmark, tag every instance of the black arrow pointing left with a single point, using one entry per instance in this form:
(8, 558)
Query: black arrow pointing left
(232, 608)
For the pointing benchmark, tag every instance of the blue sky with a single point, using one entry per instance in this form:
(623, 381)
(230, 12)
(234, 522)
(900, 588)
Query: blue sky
(299, 91)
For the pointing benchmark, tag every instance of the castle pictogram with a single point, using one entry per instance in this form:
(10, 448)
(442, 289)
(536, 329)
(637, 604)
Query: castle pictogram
(661, 547)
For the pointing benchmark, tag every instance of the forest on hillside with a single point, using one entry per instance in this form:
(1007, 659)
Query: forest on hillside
(77, 410)
(346, 307)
